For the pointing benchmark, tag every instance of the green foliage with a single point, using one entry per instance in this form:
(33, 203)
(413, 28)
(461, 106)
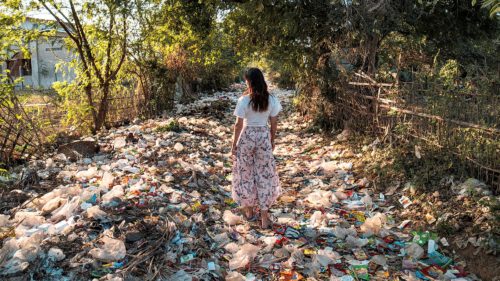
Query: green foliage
(492, 5)
(449, 73)
(173, 126)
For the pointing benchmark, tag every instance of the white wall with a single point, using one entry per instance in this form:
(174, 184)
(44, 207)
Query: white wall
(46, 53)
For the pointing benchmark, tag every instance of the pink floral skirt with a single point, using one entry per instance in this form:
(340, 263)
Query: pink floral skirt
(255, 179)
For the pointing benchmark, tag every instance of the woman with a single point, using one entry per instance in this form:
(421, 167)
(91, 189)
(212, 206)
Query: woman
(255, 180)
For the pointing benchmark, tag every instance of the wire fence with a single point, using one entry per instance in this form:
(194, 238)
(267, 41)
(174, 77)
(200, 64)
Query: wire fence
(27, 129)
(465, 126)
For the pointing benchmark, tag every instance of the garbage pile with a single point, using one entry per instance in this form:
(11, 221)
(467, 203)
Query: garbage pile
(154, 204)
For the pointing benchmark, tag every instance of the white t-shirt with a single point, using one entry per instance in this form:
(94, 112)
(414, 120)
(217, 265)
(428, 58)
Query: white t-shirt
(255, 118)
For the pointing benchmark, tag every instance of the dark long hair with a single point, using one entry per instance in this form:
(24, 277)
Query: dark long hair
(259, 96)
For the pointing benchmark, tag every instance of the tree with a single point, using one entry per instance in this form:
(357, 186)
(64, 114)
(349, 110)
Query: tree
(19, 131)
(98, 32)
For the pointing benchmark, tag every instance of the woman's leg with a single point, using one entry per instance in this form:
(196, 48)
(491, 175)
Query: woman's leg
(248, 211)
(264, 218)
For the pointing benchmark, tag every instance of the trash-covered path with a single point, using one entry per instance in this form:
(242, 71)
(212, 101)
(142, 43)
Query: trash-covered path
(154, 204)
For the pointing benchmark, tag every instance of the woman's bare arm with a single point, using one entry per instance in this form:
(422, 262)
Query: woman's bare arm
(274, 128)
(238, 126)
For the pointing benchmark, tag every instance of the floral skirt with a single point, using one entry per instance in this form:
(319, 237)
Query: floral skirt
(255, 179)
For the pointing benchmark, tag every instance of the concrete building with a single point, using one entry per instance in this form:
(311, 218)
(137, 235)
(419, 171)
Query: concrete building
(46, 61)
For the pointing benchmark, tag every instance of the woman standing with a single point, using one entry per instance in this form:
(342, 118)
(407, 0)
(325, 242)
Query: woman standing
(255, 179)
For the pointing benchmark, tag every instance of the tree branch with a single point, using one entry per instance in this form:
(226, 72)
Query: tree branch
(86, 44)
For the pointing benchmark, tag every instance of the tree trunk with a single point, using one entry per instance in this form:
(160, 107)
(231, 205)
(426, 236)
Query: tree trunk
(370, 53)
(103, 108)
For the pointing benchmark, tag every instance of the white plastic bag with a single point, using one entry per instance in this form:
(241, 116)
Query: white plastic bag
(117, 191)
(374, 224)
(235, 276)
(319, 198)
(67, 210)
(53, 204)
(96, 213)
(246, 253)
(230, 218)
(111, 250)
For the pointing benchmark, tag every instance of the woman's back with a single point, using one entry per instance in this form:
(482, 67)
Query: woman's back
(256, 118)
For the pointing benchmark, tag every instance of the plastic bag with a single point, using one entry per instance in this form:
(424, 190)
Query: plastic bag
(96, 213)
(415, 251)
(232, 247)
(111, 250)
(4, 220)
(55, 254)
(356, 242)
(316, 219)
(53, 204)
(117, 191)
(246, 253)
(329, 168)
(230, 218)
(31, 219)
(374, 224)
(342, 233)
(319, 199)
(379, 260)
(107, 180)
(235, 276)
(326, 256)
(87, 174)
(367, 200)
(67, 210)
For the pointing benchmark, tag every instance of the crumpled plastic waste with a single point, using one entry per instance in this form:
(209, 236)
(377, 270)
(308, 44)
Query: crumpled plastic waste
(96, 213)
(245, 254)
(374, 224)
(66, 211)
(110, 250)
(319, 198)
(162, 187)
(230, 218)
